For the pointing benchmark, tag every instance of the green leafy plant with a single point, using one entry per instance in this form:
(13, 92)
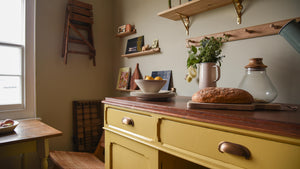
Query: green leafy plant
(208, 51)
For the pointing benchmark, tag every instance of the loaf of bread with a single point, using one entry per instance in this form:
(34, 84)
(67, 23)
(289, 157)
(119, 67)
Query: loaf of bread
(222, 95)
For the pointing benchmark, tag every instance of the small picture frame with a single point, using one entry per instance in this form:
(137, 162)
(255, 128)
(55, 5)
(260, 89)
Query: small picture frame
(166, 75)
(123, 78)
(155, 44)
(134, 45)
(122, 29)
(173, 3)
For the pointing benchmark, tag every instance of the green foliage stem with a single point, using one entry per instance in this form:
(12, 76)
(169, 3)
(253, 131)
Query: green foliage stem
(208, 51)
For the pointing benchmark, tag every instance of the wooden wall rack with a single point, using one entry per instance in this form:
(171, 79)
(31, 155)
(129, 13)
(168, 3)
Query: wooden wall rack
(245, 33)
(147, 52)
(79, 18)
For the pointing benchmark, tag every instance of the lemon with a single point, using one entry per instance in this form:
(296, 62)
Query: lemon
(148, 78)
(158, 78)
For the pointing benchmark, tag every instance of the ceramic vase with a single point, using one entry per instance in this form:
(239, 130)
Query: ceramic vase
(209, 74)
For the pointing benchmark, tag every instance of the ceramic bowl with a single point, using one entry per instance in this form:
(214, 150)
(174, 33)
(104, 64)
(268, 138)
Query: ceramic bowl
(8, 129)
(150, 86)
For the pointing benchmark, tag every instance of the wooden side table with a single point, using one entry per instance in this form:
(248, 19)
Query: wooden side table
(29, 136)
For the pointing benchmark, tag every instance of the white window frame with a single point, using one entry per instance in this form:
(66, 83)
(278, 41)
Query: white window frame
(28, 109)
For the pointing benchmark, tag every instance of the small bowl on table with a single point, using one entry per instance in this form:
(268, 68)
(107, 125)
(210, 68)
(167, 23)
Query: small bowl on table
(150, 86)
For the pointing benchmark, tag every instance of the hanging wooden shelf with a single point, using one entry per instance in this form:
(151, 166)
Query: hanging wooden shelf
(120, 35)
(272, 28)
(192, 8)
(147, 52)
(184, 11)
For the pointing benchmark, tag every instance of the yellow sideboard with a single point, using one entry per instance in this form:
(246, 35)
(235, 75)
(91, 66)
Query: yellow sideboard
(150, 135)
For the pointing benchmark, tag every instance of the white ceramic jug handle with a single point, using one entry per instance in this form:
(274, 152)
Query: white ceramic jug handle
(218, 72)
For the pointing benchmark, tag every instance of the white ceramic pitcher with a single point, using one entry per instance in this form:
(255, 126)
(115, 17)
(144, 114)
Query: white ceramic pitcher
(209, 74)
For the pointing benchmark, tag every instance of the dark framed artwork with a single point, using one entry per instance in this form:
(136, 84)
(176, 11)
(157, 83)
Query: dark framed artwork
(134, 45)
(166, 75)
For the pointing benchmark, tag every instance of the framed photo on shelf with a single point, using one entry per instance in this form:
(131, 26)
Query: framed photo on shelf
(166, 75)
(134, 45)
(122, 29)
(123, 78)
(173, 3)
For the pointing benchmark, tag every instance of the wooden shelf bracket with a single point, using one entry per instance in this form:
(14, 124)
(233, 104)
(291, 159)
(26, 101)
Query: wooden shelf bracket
(186, 22)
(238, 8)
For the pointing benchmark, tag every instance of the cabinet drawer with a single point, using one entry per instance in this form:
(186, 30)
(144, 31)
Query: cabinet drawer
(134, 124)
(196, 140)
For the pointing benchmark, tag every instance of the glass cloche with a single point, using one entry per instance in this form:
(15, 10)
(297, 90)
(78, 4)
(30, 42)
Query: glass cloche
(257, 82)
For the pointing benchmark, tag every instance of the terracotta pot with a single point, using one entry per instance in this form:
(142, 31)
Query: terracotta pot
(128, 28)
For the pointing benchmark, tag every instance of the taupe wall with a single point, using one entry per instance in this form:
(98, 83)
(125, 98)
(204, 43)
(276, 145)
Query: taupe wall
(282, 60)
(59, 84)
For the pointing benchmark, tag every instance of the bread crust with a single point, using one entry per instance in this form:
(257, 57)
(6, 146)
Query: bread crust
(222, 95)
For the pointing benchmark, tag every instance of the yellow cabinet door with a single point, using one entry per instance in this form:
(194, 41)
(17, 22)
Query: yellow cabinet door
(123, 153)
(168, 161)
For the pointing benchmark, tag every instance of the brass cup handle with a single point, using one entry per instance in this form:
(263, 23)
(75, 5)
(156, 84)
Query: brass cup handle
(127, 121)
(235, 149)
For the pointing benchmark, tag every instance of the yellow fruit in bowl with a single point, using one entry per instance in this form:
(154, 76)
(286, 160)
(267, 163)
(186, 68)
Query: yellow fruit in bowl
(158, 78)
(148, 78)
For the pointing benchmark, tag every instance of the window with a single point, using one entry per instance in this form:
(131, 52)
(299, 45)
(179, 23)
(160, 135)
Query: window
(17, 59)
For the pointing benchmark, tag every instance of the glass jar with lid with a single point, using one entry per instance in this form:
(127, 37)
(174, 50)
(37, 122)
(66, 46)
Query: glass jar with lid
(257, 82)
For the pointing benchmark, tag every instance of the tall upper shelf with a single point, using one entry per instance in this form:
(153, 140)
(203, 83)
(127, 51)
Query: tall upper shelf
(184, 11)
(192, 8)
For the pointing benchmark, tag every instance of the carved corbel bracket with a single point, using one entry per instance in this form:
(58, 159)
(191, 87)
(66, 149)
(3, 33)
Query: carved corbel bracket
(186, 22)
(238, 8)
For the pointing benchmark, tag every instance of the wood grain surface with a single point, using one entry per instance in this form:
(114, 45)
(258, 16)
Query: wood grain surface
(277, 122)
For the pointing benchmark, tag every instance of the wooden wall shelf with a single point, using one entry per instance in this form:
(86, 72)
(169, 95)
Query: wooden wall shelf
(120, 35)
(245, 33)
(192, 8)
(184, 11)
(147, 52)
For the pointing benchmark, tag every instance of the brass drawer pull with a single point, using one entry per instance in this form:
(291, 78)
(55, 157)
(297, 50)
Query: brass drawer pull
(235, 149)
(127, 121)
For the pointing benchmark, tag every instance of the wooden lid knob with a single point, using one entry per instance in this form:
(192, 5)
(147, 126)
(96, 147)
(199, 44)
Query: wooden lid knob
(256, 63)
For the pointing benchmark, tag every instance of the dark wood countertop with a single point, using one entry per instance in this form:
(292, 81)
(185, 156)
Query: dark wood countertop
(283, 123)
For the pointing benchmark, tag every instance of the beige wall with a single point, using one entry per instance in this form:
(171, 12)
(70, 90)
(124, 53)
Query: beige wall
(282, 60)
(59, 84)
